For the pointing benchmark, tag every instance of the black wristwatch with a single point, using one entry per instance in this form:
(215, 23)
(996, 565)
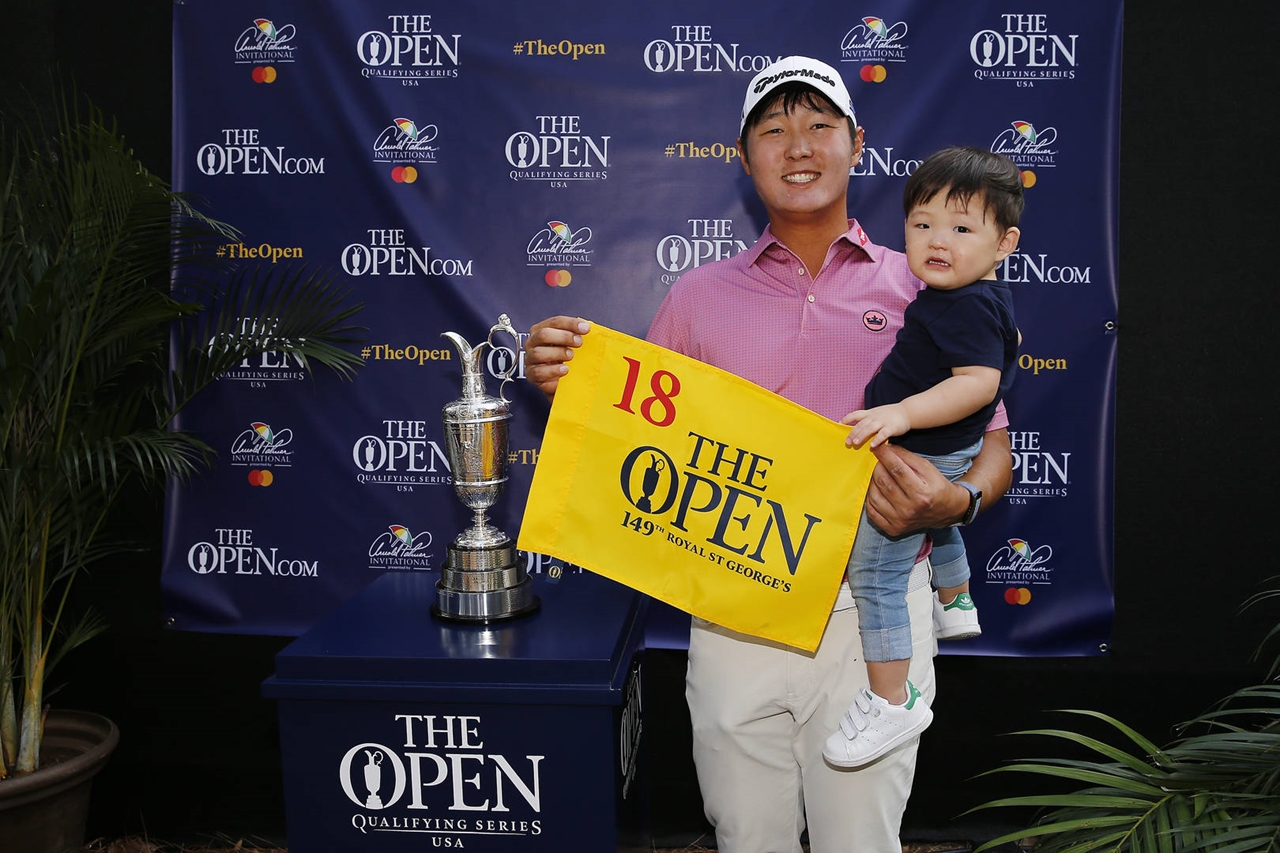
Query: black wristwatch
(975, 502)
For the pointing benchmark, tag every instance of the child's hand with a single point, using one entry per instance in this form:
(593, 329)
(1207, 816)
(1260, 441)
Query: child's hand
(878, 424)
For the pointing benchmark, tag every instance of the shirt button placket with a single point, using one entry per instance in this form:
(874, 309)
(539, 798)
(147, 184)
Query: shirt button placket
(803, 273)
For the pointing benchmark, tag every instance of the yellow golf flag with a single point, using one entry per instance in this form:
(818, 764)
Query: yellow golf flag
(698, 488)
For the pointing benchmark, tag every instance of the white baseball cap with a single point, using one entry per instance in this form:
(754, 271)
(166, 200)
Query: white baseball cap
(798, 69)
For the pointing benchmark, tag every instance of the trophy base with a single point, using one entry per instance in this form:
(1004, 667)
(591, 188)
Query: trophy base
(496, 557)
(483, 608)
(483, 584)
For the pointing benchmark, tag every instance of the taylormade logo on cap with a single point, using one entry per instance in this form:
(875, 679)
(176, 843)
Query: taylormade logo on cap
(803, 69)
(761, 85)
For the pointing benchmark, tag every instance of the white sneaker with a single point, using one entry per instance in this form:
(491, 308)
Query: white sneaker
(957, 620)
(871, 727)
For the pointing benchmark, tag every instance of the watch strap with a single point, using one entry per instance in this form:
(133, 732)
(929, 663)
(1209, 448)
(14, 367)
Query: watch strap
(975, 503)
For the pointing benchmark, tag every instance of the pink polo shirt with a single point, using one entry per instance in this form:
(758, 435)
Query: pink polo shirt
(815, 340)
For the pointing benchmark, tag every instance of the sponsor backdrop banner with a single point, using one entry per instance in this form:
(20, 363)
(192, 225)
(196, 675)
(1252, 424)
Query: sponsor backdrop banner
(458, 162)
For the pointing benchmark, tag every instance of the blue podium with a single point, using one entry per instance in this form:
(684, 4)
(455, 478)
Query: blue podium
(400, 731)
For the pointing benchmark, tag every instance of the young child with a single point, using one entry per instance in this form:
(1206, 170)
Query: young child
(952, 362)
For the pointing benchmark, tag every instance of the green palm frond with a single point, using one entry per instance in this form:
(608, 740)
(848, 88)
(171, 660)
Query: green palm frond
(1215, 789)
(1269, 594)
(114, 313)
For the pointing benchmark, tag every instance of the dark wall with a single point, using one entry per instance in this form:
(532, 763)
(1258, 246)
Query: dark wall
(1197, 223)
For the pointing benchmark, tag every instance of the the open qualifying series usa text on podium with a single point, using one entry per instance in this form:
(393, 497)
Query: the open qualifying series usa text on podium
(404, 732)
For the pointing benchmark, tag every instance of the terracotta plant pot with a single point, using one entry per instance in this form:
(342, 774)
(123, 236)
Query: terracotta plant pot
(45, 811)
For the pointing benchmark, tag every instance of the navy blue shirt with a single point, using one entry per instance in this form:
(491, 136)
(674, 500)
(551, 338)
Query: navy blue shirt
(942, 329)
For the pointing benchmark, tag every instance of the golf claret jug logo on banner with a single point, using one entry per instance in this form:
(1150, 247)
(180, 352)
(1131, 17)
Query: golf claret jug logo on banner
(271, 366)
(691, 48)
(437, 777)
(243, 151)
(404, 453)
(1025, 50)
(410, 49)
(386, 252)
(1039, 471)
(557, 152)
(708, 240)
(233, 551)
(698, 488)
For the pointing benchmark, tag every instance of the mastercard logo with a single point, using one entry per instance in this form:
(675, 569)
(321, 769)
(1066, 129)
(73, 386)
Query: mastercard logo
(264, 74)
(1028, 178)
(557, 278)
(1017, 595)
(404, 174)
(873, 73)
(261, 478)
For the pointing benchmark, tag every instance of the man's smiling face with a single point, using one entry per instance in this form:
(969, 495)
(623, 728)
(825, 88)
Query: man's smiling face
(799, 160)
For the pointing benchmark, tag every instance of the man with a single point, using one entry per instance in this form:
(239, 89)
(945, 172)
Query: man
(808, 312)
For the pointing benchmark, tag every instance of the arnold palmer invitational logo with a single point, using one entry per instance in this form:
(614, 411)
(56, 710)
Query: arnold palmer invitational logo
(559, 245)
(400, 549)
(1019, 562)
(1027, 146)
(404, 141)
(875, 39)
(261, 446)
(265, 42)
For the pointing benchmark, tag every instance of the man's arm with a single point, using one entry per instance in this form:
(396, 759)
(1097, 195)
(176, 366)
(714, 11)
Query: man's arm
(909, 494)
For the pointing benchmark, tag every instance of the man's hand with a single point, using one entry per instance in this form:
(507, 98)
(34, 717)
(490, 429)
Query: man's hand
(908, 494)
(549, 349)
(878, 424)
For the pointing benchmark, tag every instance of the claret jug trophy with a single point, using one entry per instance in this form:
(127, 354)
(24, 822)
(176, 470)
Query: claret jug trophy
(481, 581)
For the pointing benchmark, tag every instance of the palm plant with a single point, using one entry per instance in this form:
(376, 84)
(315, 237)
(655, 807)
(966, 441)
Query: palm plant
(1216, 788)
(111, 320)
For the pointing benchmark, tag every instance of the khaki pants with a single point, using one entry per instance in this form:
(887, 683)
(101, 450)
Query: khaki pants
(760, 714)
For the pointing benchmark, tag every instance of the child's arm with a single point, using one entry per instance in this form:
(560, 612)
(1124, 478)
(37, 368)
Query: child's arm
(966, 391)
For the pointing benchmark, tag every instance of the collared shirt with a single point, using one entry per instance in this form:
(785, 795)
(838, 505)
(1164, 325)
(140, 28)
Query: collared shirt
(814, 339)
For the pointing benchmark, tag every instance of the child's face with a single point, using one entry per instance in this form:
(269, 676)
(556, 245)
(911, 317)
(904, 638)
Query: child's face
(951, 244)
